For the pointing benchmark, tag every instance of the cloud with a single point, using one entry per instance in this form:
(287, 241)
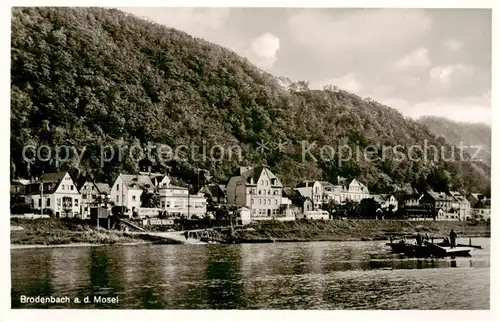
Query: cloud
(447, 73)
(357, 29)
(199, 22)
(453, 44)
(348, 82)
(470, 109)
(265, 48)
(416, 59)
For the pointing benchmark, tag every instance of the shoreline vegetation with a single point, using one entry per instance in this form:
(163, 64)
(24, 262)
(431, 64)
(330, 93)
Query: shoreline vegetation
(56, 233)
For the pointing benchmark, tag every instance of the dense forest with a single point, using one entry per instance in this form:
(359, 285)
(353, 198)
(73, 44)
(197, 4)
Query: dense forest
(91, 78)
(475, 135)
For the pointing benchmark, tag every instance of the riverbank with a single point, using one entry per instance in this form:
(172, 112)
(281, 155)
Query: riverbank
(52, 232)
(346, 230)
(56, 232)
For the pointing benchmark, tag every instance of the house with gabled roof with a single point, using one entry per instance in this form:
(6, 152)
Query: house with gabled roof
(94, 194)
(56, 191)
(127, 190)
(215, 193)
(256, 188)
(355, 191)
(463, 205)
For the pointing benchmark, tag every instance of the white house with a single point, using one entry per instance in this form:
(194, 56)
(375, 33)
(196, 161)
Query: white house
(355, 191)
(128, 189)
(55, 191)
(244, 216)
(177, 201)
(464, 209)
(256, 188)
(94, 194)
(312, 190)
(386, 201)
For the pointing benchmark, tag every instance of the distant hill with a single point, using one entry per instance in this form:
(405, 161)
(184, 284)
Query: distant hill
(475, 135)
(90, 77)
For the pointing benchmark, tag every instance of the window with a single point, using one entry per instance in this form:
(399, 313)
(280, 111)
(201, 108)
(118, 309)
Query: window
(163, 204)
(117, 198)
(40, 202)
(168, 204)
(268, 192)
(48, 202)
(252, 201)
(133, 198)
(260, 192)
(76, 202)
(275, 201)
(117, 187)
(62, 187)
(71, 187)
(260, 201)
(59, 202)
(84, 196)
(261, 181)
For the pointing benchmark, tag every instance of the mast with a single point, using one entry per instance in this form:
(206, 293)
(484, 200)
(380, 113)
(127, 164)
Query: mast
(41, 198)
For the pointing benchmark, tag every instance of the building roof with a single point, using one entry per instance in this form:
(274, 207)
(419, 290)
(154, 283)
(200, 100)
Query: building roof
(382, 197)
(291, 193)
(52, 177)
(138, 181)
(20, 181)
(251, 175)
(440, 196)
(326, 184)
(214, 189)
(103, 188)
(51, 182)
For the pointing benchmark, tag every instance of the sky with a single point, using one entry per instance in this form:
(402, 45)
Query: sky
(419, 61)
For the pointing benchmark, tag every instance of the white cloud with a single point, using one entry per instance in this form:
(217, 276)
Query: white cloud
(264, 49)
(447, 73)
(199, 22)
(470, 109)
(348, 82)
(358, 29)
(453, 44)
(416, 59)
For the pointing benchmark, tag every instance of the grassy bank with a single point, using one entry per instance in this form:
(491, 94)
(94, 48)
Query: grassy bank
(340, 230)
(50, 231)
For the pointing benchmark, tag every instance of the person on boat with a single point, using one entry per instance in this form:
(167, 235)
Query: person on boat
(186, 234)
(453, 237)
(419, 239)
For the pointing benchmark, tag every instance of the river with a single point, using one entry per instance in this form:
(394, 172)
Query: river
(315, 275)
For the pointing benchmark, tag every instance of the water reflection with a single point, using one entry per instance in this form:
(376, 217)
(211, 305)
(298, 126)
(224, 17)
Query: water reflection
(324, 275)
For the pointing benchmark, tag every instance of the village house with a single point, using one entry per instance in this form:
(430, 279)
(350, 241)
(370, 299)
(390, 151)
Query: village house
(480, 206)
(215, 194)
(127, 190)
(312, 190)
(446, 202)
(18, 190)
(331, 193)
(177, 201)
(57, 192)
(94, 194)
(463, 205)
(256, 188)
(387, 202)
(355, 191)
(295, 203)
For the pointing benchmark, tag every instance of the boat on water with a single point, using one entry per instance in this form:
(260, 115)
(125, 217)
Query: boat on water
(428, 249)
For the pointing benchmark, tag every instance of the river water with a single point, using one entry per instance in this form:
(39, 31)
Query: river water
(315, 275)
